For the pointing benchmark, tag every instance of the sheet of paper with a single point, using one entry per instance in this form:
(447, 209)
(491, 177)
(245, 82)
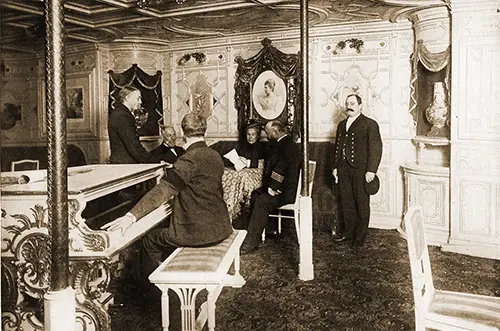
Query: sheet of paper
(233, 156)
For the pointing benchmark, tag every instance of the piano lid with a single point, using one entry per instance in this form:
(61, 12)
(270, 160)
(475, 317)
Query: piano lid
(81, 179)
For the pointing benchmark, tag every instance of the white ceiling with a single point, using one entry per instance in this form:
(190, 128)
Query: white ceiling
(164, 21)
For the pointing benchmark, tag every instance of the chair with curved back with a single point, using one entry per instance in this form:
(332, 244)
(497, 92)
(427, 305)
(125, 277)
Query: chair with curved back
(294, 207)
(25, 164)
(437, 309)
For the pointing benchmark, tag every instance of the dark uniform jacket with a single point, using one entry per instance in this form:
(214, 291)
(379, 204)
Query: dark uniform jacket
(361, 144)
(124, 140)
(282, 167)
(199, 213)
(166, 154)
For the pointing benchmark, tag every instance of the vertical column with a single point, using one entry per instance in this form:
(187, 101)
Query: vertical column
(475, 133)
(306, 268)
(59, 302)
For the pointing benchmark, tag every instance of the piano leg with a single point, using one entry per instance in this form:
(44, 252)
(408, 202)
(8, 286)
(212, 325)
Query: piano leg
(22, 295)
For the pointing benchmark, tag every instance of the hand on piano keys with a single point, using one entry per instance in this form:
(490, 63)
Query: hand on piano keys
(121, 223)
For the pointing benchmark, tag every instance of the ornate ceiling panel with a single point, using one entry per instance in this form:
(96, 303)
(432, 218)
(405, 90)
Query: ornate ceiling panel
(166, 21)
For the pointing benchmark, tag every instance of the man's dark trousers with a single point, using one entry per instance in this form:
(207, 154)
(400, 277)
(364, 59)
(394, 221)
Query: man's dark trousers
(262, 204)
(355, 201)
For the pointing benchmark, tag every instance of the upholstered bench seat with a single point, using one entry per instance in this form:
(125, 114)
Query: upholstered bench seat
(189, 270)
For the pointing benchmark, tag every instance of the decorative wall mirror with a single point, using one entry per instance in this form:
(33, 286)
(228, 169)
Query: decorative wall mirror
(152, 102)
(267, 87)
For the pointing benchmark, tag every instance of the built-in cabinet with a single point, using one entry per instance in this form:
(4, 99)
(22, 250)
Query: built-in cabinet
(428, 185)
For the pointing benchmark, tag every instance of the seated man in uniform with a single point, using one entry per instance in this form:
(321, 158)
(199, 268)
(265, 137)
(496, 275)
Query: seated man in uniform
(194, 186)
(279, 182)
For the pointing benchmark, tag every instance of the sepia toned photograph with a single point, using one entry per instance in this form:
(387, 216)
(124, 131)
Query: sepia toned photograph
(250, 165)
(269, 95)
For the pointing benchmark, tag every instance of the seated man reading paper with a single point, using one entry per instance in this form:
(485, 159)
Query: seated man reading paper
(194, 186)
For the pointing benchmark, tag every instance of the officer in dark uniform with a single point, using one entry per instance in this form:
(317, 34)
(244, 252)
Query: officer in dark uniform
(358, 153)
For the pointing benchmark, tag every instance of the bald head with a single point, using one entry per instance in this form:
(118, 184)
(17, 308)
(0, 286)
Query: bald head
(169, 135)
(274, 130)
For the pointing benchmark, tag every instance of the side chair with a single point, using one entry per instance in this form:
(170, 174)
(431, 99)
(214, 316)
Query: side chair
(437, 309)
(26, 164)
(294, 207)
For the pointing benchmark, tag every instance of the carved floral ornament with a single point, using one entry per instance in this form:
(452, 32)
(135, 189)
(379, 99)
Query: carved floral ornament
(198, 56)
(353, 43)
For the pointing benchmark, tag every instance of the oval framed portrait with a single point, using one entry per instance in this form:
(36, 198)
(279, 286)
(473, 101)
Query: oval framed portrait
(269, 95)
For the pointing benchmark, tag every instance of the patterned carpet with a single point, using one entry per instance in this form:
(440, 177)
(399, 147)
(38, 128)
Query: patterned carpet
(353, 289)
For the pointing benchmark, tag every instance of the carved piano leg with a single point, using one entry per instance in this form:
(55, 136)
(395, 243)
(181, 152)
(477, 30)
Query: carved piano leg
(91, 279)
(17, 314)
(25, 280)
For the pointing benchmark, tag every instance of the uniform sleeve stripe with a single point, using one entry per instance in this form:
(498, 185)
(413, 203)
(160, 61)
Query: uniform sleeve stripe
(277, 177)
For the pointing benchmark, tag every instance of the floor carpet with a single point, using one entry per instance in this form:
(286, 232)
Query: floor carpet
(367, 288)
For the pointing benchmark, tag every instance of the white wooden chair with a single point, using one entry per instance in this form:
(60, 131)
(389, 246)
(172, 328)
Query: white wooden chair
(443, 310)
(294, 207)
(26, 164)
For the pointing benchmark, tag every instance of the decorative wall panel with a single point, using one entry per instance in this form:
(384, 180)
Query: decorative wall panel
(475, 148)
(475, 202)
(478, 160)
(479, 114)
(19, 101)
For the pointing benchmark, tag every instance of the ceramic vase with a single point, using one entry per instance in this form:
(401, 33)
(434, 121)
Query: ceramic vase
(437, 112)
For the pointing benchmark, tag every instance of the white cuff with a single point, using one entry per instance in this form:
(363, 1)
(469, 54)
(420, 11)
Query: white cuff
(131, 215)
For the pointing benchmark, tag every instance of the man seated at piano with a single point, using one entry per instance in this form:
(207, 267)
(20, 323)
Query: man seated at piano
(168, 151)
(194, 188)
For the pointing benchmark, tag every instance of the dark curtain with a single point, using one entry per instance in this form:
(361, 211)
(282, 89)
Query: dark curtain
(150, 87)
(285, 66)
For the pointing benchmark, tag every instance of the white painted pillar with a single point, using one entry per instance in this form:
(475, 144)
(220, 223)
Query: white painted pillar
(306, 267)
(60, 310)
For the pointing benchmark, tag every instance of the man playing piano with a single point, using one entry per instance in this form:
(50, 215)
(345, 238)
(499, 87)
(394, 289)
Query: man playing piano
(194, 188)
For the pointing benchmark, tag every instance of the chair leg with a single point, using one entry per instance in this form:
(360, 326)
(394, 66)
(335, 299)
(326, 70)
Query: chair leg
(296, 218)
(279, 221)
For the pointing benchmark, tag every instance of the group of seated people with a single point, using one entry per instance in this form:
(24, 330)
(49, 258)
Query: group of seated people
(193, 187)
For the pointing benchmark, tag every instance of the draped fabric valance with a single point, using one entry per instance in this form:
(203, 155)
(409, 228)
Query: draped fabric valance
(286, 67)
(431, 61)
(150, 87)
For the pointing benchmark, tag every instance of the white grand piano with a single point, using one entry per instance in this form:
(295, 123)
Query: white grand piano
(94, 199)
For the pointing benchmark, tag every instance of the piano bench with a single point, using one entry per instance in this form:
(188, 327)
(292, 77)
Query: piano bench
(189, 270)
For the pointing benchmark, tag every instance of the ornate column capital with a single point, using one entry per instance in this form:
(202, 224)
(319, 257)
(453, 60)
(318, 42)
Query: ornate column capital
(432, 26)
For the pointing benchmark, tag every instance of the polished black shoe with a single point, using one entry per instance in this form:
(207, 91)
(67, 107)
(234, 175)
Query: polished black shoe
(337, 236)
(248, 248)
(341, 239)
(272, 234)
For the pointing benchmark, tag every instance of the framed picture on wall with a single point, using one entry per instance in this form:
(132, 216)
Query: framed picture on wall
(74, 102)
(269, 95)
(267, 87)
(81, 105)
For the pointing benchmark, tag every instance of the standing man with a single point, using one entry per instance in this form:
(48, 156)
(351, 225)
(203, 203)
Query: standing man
(279, 183)
(168, 151)
(199, 213)
(123, 137)
(358, 151)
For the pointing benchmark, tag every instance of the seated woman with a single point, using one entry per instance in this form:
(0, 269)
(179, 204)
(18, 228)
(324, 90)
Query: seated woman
(251, 151)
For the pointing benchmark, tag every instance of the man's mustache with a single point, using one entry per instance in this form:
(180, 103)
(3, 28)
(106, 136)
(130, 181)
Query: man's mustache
(349, 109)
